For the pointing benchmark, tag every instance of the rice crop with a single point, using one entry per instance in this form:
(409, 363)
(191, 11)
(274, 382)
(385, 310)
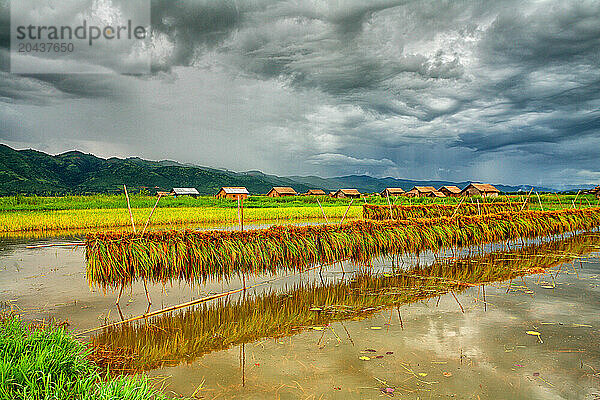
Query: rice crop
(115, 259)
(59, 220)
(179, 337)
(381, 213)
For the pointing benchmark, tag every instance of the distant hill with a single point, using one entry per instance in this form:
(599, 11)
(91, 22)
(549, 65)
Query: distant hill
(35, 172)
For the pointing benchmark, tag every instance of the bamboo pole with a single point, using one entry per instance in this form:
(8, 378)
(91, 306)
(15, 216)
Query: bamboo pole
(455, 210)
(540, 201)
(238, 212)
(346, 213)
(129, 208)
(323, 211)
(389, 204)
(576, 198)
(558, 197)
(42, 246)
(151, 213)
(242, 213)
(526, 198)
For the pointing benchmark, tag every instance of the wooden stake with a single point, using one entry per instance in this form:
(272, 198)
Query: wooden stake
(42, 246)
(460, 305)
(242, 214)
(238, 211)
(147, 294)
(151, 213)
(576, 198)
(456, 209)
(322, 211)
(526, 198)
(540, 201)
(558, 197)
(120, 294)
(129, 207)
(346, 213)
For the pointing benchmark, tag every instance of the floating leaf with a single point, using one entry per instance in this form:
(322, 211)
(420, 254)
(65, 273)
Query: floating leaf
(364, 358)
(534, 333)
(447, 374)
(422, 374)
(375, 328)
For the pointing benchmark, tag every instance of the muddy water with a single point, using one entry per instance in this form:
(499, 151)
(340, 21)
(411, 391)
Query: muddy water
(434, 351)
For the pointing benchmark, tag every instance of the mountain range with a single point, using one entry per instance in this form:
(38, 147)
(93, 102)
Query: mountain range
(74, 172)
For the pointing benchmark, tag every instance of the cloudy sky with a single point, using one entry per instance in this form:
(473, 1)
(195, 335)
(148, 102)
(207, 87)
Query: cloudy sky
(501, 91)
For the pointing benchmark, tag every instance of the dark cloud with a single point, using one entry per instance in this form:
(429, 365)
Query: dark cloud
(505, 91)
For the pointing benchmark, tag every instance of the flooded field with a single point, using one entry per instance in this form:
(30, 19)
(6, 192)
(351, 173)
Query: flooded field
(415, 327)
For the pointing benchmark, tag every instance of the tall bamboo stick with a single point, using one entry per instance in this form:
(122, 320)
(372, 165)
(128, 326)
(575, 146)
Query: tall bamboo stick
(323, 211)
(129, 208)
(346, 213)
(151, 213)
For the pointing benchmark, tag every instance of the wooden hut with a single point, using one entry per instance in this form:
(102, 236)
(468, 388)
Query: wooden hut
(315, 192)
(193, 192)
(450, 191)
(595, 191)
(280, 191)
(390, 192)
(436, 193)
(420, 191)
(480, 189)
(347, 194)
(233, 193)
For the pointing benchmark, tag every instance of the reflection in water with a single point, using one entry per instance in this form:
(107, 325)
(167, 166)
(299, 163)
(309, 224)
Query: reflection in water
(171, 339)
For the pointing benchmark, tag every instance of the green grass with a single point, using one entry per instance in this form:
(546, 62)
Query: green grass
(46, 363)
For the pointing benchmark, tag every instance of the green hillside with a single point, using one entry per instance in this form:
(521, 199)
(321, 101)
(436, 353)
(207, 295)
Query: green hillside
(34, 172)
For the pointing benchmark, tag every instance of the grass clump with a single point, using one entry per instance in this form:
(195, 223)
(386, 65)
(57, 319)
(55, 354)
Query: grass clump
(46, 363)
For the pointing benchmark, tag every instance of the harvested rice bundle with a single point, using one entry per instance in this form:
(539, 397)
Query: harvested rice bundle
(122, 258)
(381, 213)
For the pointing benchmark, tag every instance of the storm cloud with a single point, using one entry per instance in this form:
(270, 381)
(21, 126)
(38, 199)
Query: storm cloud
(507, 91)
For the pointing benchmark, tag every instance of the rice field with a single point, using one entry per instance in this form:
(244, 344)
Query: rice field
(59, 220)
(55, 214)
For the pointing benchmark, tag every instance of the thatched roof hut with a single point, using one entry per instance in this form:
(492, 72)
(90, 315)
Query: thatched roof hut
(450, 191)
(480, 189)
(420, 191)
(185, 192)
(281, 191)
(347, 194)
(233, 193)
(392, 192)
